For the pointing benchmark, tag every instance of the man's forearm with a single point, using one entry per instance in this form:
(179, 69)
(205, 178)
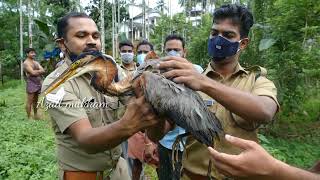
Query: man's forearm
(37, 72)
(244, 104)
(286, 172)
(103, 138)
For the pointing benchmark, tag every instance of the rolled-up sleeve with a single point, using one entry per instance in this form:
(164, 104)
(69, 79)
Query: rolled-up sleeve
(265, 87)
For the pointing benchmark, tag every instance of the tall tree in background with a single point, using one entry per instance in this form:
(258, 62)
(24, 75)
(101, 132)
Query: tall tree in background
(166, 26)
(161, 7)
(30, 20)
(94, 12)
(102, 29)
(21, 39)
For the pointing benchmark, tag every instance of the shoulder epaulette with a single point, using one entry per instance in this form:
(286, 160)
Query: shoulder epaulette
(260, 71)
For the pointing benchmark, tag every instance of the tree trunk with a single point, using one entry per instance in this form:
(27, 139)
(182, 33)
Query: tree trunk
(21, 41)
(30, 22)
(118, 26)
(1, 74)
(102, 25)
(113, 31)
(144, 19)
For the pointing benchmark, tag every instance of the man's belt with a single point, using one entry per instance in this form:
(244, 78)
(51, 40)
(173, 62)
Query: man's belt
(82, 175)
(193, 176)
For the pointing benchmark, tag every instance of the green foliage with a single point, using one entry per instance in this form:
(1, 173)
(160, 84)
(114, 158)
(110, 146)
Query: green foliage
(285, 39)
(94, 10)
(27, 147)
(167, 26)
(294, 143)
(9, 44)
(198, 45)
(297, 152)
(10, 64)
(269, 147)
(266, 43)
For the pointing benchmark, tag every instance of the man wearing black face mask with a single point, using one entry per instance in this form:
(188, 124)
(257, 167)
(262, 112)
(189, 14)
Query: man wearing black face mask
(88, 138)
(242, 98)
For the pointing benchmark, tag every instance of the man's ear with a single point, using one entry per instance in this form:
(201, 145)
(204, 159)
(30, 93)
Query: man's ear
(61, 44)
(244, 43)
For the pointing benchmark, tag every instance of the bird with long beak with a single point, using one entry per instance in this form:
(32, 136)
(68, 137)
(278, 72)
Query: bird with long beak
(177, 102)
(102, 68)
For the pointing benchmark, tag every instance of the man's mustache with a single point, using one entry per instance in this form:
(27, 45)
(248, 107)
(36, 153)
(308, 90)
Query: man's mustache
(90, 48)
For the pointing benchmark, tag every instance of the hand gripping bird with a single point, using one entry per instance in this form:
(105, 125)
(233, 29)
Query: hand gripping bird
(177, 102)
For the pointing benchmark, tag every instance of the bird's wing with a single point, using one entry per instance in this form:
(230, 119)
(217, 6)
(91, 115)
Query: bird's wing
(183, 106)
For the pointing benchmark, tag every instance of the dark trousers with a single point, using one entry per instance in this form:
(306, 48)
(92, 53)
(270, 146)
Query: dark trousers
(166, 171)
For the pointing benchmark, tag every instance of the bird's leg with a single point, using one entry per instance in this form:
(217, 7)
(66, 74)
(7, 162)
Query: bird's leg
(175, 150)
(209, 170)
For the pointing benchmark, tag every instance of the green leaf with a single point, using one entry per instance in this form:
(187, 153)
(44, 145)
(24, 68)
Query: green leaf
(266, 43)
(263, 139)
(44, 27)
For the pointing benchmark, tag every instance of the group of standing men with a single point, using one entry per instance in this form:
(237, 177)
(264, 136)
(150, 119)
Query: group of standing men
(140, 149)
(89, 140)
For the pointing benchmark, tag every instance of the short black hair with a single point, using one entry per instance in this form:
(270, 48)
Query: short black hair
(27, 50)
(175, 37)
(62, 24)
(125, 43)
(239, 15)
(145, 42)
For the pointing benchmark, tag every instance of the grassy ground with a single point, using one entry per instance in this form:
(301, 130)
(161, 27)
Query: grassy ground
(27, 146)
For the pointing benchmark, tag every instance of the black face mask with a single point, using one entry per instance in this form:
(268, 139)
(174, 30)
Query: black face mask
(219, 48)
(73, 57)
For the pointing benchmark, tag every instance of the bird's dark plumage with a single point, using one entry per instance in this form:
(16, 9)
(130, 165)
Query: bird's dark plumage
(183, 106)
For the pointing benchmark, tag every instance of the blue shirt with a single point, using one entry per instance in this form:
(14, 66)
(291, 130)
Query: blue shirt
(168, 140)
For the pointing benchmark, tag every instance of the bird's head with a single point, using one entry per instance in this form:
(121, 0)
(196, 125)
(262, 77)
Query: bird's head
(103, 70)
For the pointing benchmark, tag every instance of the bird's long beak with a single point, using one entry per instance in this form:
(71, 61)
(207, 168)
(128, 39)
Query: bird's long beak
(61, 79)
(68, 74)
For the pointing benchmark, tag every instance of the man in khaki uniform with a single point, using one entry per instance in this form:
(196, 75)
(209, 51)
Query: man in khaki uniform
(85, 122)
(241, 98)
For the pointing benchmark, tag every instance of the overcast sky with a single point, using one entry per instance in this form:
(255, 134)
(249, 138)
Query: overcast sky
(152, 3)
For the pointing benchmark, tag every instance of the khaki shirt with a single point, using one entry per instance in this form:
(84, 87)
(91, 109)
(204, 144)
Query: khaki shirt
(77, 91)
(196, 156)
(123, 72)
